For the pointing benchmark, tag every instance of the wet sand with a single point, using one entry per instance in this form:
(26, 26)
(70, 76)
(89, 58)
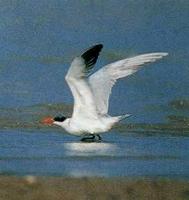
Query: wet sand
(40, 188)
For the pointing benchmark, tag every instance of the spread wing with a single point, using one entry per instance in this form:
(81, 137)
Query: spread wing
(84, 101)
(103, 80)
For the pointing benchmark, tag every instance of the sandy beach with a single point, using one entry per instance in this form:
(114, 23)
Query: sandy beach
(40, 188)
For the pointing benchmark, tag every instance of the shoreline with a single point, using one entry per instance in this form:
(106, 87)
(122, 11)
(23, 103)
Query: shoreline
(32, 187)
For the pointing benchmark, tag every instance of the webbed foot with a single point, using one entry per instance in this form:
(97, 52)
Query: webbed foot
(91, 138)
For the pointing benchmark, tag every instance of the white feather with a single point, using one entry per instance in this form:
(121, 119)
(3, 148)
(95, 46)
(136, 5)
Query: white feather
(91, 94)
(84, 102)
(103, 80)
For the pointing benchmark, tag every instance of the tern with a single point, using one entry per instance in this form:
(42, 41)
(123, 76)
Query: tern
(91, 92)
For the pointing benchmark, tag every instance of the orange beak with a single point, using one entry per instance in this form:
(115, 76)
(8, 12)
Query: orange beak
(47, 121)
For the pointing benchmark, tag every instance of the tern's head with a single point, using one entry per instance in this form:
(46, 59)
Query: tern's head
(56, 120)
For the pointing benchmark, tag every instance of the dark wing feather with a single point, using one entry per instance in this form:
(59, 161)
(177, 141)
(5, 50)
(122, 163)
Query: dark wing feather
(91, 55)
(84, 105)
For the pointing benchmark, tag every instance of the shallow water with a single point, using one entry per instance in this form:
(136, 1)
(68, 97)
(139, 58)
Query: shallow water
(130, 150)
(37, 44)
(52, 153)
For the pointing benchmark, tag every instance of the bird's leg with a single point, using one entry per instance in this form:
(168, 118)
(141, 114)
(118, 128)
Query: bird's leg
(99, 137)
(88, 138)
(91, 138)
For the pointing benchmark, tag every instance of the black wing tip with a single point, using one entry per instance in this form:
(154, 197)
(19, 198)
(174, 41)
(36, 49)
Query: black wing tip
(92, 49)
(100, 46)
(97, 47)
(90, 56)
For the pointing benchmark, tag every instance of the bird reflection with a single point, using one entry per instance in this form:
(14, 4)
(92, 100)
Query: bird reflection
(90, 149)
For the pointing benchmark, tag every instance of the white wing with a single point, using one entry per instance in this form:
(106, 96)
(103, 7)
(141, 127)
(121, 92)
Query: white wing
(84, 102)
(103, 80)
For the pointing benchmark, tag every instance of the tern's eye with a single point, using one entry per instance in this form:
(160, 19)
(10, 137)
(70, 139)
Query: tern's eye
(59, 118)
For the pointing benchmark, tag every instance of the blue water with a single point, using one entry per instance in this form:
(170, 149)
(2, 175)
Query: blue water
(39, 39)
(40, 153)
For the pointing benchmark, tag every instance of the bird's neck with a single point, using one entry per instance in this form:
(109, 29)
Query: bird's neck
(63, 124)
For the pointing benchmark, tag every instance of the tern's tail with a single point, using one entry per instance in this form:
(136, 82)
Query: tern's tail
(121, 117)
